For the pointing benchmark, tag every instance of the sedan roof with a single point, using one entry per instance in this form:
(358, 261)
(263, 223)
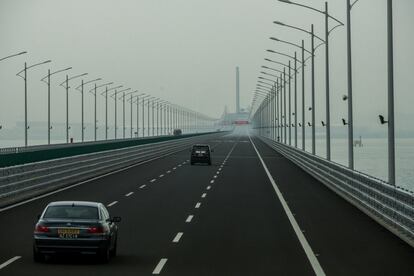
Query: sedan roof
(75, 203)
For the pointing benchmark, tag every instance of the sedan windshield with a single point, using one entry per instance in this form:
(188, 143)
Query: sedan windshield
(71, 212)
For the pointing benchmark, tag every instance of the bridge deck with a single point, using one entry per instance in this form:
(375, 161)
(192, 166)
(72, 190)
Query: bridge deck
(239, 228)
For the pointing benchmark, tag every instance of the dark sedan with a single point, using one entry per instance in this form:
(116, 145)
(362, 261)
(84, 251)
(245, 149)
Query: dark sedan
(75, 227)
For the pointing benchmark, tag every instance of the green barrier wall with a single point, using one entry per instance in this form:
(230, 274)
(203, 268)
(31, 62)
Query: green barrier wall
(12, 159)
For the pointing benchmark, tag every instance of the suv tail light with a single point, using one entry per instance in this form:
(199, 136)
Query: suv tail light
(41, 229)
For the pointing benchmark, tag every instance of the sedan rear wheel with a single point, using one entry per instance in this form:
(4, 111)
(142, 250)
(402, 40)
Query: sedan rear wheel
(38, 257)
(105, 255)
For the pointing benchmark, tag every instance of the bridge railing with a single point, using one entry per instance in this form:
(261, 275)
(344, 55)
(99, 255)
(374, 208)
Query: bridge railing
(388, 205)
(24, 181)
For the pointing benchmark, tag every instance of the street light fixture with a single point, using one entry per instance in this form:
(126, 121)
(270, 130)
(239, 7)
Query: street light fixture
(46, 80)
(14, 55)
(24, 77)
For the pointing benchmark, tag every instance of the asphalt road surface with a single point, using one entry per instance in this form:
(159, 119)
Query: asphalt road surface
(235, 217)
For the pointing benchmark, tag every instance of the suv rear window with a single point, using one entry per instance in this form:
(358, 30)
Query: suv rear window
(71, 212)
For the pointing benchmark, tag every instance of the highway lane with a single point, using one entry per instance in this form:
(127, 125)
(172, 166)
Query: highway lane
(147, 216)
(347, 241)
(224, 219)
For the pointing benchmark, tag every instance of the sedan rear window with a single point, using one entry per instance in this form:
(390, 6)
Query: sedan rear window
(71, 212)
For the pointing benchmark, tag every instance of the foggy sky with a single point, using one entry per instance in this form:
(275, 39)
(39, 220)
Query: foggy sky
(186, 51)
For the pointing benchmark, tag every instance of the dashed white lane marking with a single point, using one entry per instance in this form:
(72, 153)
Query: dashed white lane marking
(189, 218)
(187, 160)
(6, 263)
(184, 162)
(159, 266)
(168, 171)
(174, 168)
(219, 169)
(212, 181)
(208, 187)
(153, 180)
(198, 205)
(218, 172)
(128, 194)
(161, 175)
(142, 186)
(112, 203)
(179, 165)
(203, 195)
(178, 237)
(317, 268)
(215, 176)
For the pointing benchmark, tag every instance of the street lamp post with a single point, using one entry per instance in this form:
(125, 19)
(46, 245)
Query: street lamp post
(327, 16)
(24, 77)
(391, 133)
(94, 91)
(66, 82)
(47, 78)
(115, 97)
(130, 100)
(82, 103)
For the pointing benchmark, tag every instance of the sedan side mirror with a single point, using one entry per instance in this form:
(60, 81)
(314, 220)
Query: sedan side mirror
(116, 219)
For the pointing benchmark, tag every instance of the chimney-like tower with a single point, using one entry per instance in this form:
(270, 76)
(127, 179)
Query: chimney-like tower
(237, 91)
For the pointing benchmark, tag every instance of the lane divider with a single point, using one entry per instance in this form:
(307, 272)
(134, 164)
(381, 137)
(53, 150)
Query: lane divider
(142, 186)
(6, 263)
(129, 194)
(153, 180)
(203, 195)
(317, 268)
(212, 181)
(178, 237)
(159, 266)
(208, 187)
(112, 203)
(189, 218)
(198, 205)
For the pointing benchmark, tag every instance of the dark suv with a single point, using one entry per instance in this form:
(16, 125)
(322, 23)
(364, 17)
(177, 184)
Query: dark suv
(200, 154)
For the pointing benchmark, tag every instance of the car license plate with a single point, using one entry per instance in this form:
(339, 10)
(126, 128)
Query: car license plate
(68, 233)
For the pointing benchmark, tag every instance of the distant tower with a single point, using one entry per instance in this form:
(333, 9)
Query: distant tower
(237, 91)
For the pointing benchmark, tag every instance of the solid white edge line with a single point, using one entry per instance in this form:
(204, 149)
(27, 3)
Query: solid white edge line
(130, 193)
(189, 218)
(159, 266)
(83, 182)
(178, 237)
(302, 239)
(112, 203)
(142, 186)
(6, 263)
(198, 205)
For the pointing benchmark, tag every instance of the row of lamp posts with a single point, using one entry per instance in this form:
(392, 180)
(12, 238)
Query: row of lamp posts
(271, 90)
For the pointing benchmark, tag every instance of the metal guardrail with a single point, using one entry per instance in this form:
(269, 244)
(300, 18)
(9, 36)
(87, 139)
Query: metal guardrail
(390, 206)
(24, 181)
